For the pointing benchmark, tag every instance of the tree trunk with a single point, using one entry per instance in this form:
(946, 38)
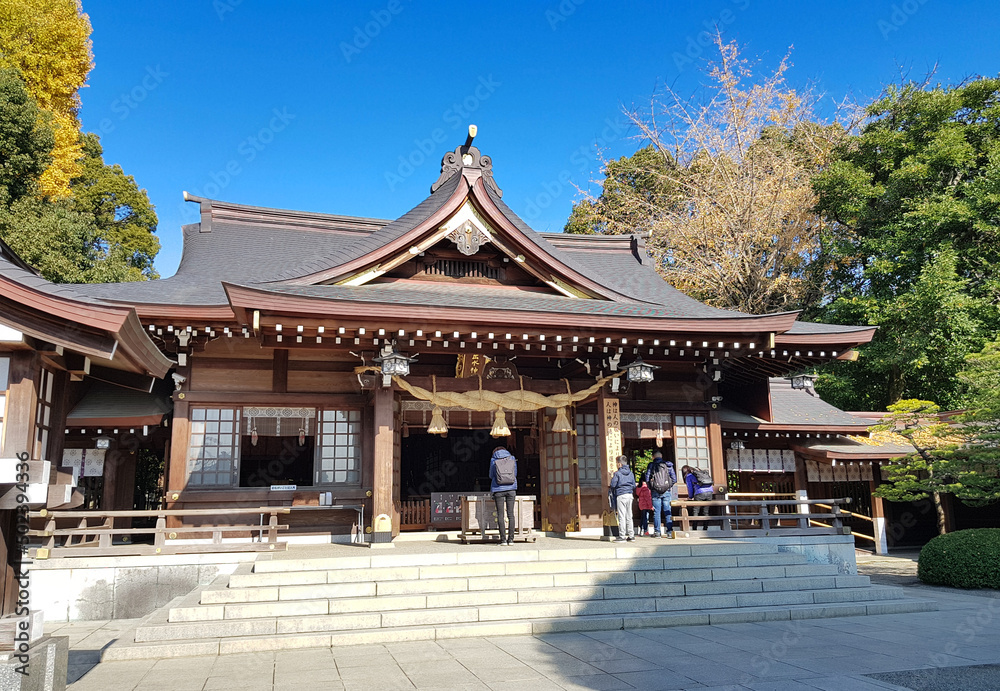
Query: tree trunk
(939, 511)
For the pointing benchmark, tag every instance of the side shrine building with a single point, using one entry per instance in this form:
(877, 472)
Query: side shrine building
(262, 372)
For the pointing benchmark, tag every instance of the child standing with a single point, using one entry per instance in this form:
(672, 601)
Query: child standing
(645, 506)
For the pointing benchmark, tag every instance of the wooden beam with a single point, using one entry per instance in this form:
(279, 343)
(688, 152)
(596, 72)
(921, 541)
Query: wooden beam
(279, 373)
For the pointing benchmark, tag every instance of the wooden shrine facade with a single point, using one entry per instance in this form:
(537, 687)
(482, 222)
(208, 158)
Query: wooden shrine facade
(276, 323)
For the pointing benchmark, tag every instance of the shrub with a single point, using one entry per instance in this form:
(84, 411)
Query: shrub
(963, 559)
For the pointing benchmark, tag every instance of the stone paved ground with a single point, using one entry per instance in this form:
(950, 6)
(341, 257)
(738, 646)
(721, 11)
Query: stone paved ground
(832, 654)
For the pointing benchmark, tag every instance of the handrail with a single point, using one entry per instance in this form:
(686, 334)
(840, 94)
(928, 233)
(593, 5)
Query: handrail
(871, 538)
(761, 494)
(97, 540)
(768, 515)
(850, 514)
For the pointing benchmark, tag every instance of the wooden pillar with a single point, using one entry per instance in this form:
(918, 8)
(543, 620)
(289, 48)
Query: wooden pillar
(878, 519)
(382, 504)
(715, 452)
(22, 400)
(176, 470)
(609, 412)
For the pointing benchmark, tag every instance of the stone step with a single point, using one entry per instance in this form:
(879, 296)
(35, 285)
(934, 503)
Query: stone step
(667, 548)
(335, 615)
(540, 574)
(500, 568)
(194, 612)
(581, 622)
(363, 603)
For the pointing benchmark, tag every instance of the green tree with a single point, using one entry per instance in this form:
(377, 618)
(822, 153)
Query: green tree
(48, 43)
(916, 201)
(924, 335)
(958, 457)
(124, 243)
(25, 141)
(635, 193)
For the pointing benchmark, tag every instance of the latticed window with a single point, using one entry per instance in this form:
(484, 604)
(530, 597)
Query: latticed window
(43, 415)
(339, 452)
(557, 460)
(212, 450)
(588, 448)
(691, 441)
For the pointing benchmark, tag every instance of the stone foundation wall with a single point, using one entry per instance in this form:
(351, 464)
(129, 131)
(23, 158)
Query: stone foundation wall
(817, 549)
(88, 588)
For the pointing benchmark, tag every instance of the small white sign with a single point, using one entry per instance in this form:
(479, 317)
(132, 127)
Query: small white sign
(283, 488)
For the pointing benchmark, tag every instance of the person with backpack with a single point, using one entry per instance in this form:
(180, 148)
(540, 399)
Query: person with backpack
(503, 485)
(660, 477)
(621, 488)
(699, 486)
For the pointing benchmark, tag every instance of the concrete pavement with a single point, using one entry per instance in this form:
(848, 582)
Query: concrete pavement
(954, 647)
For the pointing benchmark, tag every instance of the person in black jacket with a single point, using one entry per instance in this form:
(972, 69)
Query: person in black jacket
(621, 490)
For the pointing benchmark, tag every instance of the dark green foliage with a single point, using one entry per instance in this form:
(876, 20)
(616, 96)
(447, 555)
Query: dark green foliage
(25, 141)
(635, 193)
(917, 199)
(963, 559)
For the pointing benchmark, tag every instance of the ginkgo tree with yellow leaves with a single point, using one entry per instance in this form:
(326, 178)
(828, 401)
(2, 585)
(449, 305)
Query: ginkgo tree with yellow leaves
(48, 43)
(62, 208)
(723, 188)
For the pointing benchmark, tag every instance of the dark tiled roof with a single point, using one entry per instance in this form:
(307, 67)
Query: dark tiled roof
(411, 219)
(800, 328)
(798, 407)
(475, 297)
(106, 401)
(15, 272)
(856, 449)
(794, 408)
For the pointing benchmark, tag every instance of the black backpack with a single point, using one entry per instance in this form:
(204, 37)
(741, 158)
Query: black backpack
(702, 477)
(506, 470)
(659, 480)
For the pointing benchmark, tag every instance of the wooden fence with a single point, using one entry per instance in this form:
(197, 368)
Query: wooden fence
(735, 518)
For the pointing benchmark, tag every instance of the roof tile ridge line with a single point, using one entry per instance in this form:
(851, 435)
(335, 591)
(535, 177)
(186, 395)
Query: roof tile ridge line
(188, 197)
(337, 270)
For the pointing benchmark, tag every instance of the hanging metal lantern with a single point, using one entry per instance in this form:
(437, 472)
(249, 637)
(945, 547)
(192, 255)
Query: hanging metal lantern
(804, 381)
(437, 425)
(561, 423)
(500, 428)
(393, 364)
(640, 371)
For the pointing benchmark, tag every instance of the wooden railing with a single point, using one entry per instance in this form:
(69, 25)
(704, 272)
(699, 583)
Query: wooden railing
(851, 514)
(85, 539)
(415, 515)
(762, 517)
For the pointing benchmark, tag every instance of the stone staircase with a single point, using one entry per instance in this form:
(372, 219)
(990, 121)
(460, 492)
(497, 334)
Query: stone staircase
(381, 597)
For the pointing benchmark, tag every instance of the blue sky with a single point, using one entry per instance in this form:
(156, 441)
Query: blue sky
(348, 108)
